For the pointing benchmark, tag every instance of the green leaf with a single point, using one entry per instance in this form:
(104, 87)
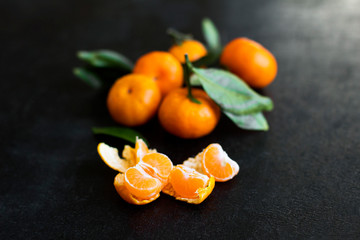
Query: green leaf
(88, 77)
(125, 133)
(254, 121)
(213, 42)
(231, 93)
(106, 58)
(195, 80)
(211, 35)
(187, 71)
(206, 60)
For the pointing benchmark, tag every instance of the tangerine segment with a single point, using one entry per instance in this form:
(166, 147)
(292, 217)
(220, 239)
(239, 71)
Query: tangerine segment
(202, 192)
(140, 149)
(157, 165)
(163, 68)
(110, 156)
(140, 184)
(193, 48)
(216, 162)
(119, 183)
(186, 181)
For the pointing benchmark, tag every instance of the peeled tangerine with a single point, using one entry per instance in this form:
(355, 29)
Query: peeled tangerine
(144, 173)
(214, 162)
(186, 184)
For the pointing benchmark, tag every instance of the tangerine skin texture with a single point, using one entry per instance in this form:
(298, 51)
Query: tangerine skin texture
(186, 119)
(163, 68)
(250, 61)
(133, 100)
(193, 48)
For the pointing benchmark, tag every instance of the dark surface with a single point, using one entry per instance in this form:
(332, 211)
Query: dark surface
(300, 180)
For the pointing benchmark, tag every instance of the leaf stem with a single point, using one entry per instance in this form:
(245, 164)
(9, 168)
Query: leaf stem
(187, 72)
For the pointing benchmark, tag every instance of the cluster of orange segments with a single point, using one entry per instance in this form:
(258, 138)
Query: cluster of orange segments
(156, 86)
(144, 173)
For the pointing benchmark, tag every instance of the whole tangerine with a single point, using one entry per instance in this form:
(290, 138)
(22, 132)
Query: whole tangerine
(193, 48)
(163, 68)
(186, 119)
(251, 61)
(133, 99)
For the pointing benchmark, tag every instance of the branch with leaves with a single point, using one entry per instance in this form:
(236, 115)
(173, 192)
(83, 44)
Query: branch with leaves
(236, 99)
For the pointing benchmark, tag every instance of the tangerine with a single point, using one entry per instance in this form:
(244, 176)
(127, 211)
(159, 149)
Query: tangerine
(193, 48)
(214, 161)
(133, 99)
(188, 185)
(183, 118)
(142, 183)
(163, 68)
(119, 183)
(251, 61)
(157, 165)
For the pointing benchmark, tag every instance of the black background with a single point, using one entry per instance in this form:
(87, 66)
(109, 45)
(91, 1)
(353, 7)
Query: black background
(300, 180)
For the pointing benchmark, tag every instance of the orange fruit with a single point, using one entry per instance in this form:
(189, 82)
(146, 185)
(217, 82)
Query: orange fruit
(186, 119)
(193, 48)
(157, 165)
(216, 163)
(144, 173)
(119, 183)
(188, 185)
(163, 68)
(141, 184)
(187, 181)
(133, 99)
(250, 61)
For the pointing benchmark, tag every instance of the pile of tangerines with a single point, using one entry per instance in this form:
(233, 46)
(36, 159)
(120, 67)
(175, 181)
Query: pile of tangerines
(156, 86)
(144, 173)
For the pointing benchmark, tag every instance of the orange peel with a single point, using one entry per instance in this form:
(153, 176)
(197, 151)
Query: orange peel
(110, 157)
(130, 156)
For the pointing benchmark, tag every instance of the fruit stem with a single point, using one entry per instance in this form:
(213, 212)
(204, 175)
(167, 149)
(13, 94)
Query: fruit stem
(187, 72)
(178, 37)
